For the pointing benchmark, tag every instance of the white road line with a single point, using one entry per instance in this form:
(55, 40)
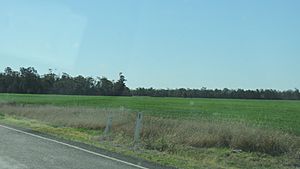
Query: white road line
(75, 147)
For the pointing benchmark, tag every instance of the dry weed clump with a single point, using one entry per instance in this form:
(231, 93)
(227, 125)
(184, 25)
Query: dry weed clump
(165, 134)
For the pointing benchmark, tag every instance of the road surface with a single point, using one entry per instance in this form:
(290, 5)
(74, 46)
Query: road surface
(24, 151)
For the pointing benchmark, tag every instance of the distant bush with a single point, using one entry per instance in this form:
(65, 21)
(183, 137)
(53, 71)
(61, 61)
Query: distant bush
(27, 80)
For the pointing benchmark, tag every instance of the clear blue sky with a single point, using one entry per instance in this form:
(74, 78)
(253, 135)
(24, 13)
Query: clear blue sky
(157, 43)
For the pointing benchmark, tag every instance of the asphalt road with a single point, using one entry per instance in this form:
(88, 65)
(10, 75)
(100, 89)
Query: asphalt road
(23, 151)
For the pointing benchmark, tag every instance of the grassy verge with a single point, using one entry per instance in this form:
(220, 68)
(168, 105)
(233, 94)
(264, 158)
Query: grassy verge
(181, 143)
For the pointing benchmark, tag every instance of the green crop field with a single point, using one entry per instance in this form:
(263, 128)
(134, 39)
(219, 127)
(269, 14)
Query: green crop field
(277, 114)
(182, 132)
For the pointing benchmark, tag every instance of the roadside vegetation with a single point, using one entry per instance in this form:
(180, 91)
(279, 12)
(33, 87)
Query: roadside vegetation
(195, 139)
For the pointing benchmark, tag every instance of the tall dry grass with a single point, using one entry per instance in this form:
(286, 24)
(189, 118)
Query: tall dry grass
(77, 117)
(164, 134)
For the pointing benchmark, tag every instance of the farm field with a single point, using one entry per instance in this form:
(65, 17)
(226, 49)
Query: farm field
(181, 132)
(277, 114)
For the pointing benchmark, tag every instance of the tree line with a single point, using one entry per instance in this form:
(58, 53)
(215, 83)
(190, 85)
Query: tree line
(219, 93)
(27, 80)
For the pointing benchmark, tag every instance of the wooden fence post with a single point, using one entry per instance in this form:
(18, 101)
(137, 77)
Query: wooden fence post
(108, 125)
(138, 129)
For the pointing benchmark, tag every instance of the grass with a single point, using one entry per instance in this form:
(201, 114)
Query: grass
(184, 157)
(160, 133)
(185, 136)
(275, 114)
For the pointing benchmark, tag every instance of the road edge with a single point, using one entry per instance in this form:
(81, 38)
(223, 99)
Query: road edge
(128, 160)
